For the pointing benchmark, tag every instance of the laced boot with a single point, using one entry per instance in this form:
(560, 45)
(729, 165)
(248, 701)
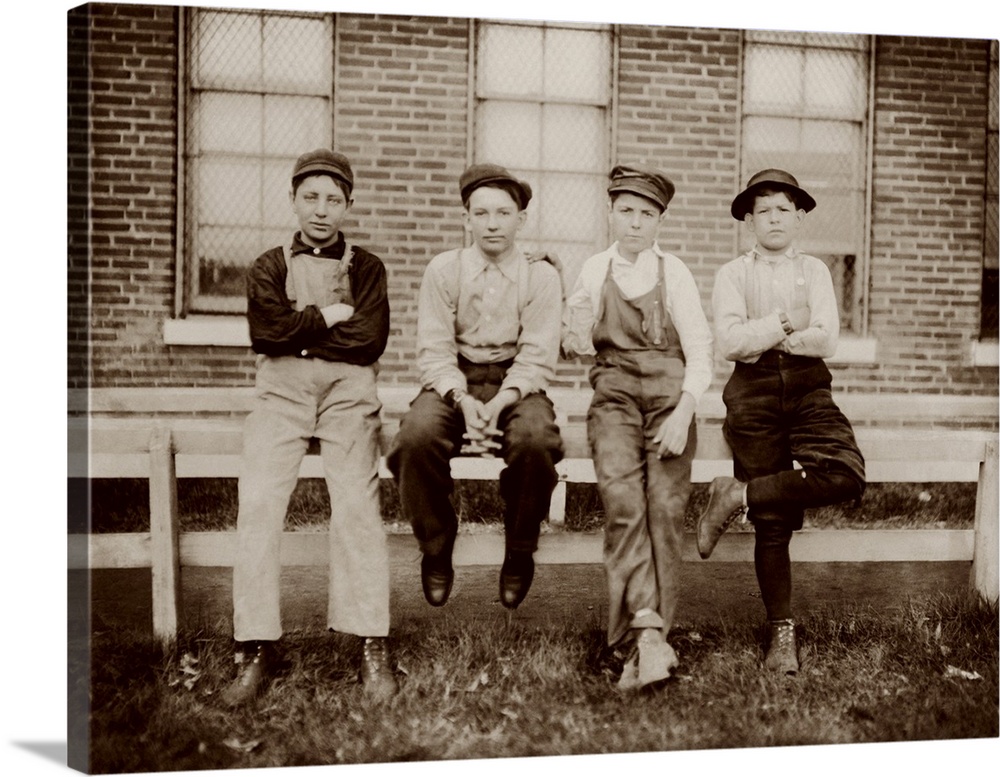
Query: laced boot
(782, 651)
(725, 502)
(256, 663)
(377, 679)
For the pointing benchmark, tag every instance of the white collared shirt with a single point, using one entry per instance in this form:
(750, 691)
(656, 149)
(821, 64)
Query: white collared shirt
(683, 304)
(752, 289)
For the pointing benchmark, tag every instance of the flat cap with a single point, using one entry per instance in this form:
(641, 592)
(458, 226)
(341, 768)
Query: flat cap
(484, 174)
(644, 181)
(770, 179)
(325, 161)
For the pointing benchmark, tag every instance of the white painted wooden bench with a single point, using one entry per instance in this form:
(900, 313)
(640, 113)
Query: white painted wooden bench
(165, 434)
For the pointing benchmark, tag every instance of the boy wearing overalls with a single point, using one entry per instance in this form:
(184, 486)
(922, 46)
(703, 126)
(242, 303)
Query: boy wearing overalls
(637, 309)
(318, 313)
(776, 317)
(487, 346)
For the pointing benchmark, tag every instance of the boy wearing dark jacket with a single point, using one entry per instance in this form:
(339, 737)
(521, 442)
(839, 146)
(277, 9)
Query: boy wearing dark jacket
(318, 313)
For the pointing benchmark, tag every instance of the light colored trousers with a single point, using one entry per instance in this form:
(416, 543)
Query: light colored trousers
(337, 403)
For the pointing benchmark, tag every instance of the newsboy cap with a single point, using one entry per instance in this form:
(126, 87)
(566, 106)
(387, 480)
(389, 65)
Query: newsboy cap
(770, 179)
(322, 160)
(644, 181)
(484, 174)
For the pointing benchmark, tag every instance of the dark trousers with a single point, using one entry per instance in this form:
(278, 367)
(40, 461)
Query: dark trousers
(779, 411)
(431, 434)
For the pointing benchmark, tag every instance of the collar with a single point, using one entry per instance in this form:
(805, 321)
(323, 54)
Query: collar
(507, 266)
(617, 258)
(754, 253)
(333, 251)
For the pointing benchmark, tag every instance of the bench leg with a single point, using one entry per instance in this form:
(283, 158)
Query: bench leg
(557, 506)
(984, 575)
(164, 535)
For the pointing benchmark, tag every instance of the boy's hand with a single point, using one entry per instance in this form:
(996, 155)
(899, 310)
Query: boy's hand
(545, 256)
(477, 431)
(672, 437)
(336, 313)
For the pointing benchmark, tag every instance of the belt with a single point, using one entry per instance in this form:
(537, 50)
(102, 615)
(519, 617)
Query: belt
(775, 359)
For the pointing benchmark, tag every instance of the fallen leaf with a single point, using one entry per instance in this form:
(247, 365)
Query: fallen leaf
(244, 747)
(954, 671)
(482, 679)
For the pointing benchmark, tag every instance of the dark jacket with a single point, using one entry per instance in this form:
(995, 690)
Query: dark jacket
(277, 329)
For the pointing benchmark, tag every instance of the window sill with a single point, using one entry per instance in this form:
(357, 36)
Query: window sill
(986, 353)
(207, 330)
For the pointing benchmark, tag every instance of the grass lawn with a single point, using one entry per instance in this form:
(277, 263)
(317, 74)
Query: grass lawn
(506, 689)
(925, 672)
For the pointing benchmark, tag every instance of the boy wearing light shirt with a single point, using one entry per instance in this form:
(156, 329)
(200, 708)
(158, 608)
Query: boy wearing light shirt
(487, 346)
(637, 309)
(776, 317)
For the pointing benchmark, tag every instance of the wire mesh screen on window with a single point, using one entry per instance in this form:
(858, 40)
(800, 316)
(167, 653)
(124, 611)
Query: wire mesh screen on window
(259, 95)
(542, 97)
(805, 105)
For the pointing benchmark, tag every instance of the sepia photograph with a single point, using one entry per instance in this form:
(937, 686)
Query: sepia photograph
(453, 387)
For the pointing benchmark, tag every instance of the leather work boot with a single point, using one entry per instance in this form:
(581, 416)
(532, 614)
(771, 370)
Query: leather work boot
(725, 500)
(377, 679)
(782, 654)
(652, 660)
(436, 576)
(516, 575)
(256, 661)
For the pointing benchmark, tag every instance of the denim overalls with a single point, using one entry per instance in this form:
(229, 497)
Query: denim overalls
(637, 377)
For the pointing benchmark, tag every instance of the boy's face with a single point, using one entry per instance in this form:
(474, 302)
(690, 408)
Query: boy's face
(774, 221)
(494, 218)
(321, 207)
(634, 223)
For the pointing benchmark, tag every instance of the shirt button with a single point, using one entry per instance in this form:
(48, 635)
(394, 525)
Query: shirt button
(305, 352)
(316, 251)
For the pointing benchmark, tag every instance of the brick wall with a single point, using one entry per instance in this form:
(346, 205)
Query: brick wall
(401, 117)
(929, 179)
(401, 114)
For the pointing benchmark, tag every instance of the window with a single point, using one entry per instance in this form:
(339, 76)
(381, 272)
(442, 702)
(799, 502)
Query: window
(988, 319)
(543, 92)
(259, 92)
(805, 109)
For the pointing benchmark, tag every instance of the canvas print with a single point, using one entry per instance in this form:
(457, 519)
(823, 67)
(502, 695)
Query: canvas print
(461, 388)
